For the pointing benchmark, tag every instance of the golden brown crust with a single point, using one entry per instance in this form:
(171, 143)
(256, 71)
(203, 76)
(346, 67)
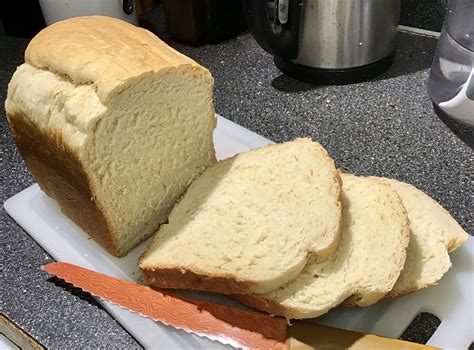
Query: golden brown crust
(177, 278)
(102, 51)
(60, 175)
(259, 302)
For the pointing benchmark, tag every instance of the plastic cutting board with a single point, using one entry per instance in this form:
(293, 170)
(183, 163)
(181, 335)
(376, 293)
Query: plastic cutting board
(451, 300)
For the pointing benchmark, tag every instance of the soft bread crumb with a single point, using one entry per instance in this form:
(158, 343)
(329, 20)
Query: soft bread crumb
(249, 223)
(366, 264)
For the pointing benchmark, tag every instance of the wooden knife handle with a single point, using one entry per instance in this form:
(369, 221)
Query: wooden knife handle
(305, 336)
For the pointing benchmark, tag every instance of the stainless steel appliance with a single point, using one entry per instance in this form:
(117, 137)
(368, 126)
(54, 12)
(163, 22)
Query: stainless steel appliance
(326, 41)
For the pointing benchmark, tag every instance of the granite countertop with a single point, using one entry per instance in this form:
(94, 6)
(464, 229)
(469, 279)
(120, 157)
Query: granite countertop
(384, 127)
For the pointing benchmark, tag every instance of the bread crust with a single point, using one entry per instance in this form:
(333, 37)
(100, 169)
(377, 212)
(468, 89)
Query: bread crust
(61, 176)
(179, 278)
(260, 303)
(457, 240)
(404, 239)
(86, 49)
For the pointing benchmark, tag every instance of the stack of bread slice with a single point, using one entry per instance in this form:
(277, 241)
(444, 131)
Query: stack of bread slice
(280, 229)
(367, 266)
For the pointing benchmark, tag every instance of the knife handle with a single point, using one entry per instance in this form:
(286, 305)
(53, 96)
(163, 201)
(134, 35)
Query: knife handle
(305, 336)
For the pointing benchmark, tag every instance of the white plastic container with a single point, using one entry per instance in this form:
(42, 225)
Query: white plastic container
(451, 82)
(57, 10)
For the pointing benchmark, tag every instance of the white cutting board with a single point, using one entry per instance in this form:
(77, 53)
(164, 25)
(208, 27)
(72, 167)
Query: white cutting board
(452, 300)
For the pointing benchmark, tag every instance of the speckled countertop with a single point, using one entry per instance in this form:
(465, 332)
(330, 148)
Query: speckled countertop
(426, 14)
(384, 127)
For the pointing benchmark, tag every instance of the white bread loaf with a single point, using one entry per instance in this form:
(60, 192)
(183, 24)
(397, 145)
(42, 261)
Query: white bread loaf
(113, 124)
(433, 232)
(366, 264)
(249, 222)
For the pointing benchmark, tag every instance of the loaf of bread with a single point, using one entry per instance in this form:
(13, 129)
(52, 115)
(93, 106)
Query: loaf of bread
(366, 264)
(249, 223)
(434, 234)
(113, 124)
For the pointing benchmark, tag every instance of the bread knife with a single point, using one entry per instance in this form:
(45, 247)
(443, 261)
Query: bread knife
(228, 325)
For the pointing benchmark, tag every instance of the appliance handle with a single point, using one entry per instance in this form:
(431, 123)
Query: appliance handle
(279, 39)
(470, 86)
(127, 6)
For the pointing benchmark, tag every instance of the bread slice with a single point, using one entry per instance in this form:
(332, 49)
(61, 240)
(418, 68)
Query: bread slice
(366, 264)
(113, 124)
(433, 232)
(249, 222)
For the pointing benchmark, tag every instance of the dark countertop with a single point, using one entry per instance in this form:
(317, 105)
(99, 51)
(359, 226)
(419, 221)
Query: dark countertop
(384, 127)
(426, 14)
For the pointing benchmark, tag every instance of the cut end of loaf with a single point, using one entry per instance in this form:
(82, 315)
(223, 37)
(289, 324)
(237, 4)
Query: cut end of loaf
(153, 151)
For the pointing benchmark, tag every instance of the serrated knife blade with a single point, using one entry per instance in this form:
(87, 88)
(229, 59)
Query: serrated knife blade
(228, 325)
(222, 323)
